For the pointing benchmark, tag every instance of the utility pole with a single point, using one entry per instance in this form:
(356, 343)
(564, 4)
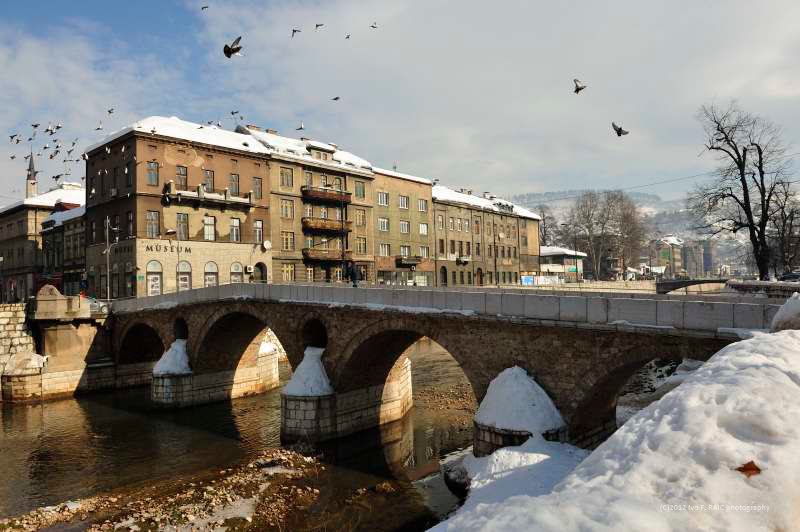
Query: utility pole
(107, 253)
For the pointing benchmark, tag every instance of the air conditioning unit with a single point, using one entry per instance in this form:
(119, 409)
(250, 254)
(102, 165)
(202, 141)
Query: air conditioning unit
(248, 269)
(113, 191)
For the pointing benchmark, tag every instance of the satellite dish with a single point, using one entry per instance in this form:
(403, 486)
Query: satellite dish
(266, 245)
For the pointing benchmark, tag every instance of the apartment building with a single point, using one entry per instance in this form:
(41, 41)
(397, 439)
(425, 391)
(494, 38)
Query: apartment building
(403, 229)
(64, 248)
(173, 205)
(21, 257)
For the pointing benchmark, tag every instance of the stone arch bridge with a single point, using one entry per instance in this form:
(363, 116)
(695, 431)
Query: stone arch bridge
(581, 349)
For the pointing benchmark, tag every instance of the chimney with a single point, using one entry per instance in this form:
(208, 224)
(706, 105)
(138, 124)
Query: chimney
(335, 146)
(253, 127)
(486, 194)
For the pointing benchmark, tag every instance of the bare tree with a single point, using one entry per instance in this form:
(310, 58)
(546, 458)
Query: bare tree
(785, 233)
(752, 168)
(631, 230)
(547, 226)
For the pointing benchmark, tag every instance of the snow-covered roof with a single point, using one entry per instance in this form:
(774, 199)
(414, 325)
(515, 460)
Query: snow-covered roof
(176, 128)
(672, 240)
(58, 218)
(399, 175)
(298, 149)
(443, 193)
(73, 193)
(549, 251)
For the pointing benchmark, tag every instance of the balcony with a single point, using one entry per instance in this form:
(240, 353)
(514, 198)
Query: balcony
(332, 255)
(407, 262)
(200, 195)
(326, 225)
(325, 194)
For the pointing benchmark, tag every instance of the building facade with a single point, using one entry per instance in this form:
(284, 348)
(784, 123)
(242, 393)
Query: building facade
(64, 249)
(563, 263)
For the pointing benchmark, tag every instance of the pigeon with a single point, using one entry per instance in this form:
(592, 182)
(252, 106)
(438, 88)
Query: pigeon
(49, 129)
(347, 36)
(295, 30)
(233, 49)
(203, 8)
(19, 139)
(241, 118)
(99, 127)
(153, 131)
(34, 126)
(318, 26)
(123, 149)
(618, 130)
(30, 139)
(234, 113)
(53, 155)
(335, 98)
(58, 126)
(12, 137)
(374, 25)
(57, 177)
(301, 127)
(110, 111)
(108, 150)
(85, 156)
(74, 142)
(578, 85)
(46, 147)
(27, 157)
(13, 157)
(245, 144)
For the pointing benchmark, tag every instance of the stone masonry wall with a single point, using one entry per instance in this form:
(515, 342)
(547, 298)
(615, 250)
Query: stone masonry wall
(15, 338)
(487, 440)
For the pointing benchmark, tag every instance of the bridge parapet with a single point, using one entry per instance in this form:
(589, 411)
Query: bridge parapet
(709, 316)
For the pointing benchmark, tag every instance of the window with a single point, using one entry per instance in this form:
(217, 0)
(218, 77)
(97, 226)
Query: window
(287, 241)
(460, 248)
(234, 185)
(211, 274)
(237, 273)
(361, 245)
(424, 252)
(360, 190)
(405, 251)
(209, 228)
(477, 249)
(309, 209)
(153, 224)
(383, 224)
(439, 221)
(477, 227)
(422, 205)
(236, 230)
(405, 227)
(129, 279)
(423, 229)
(453, 247)
(152, 173)
(461, 276)
(130, 232)
(184, 273)
(287, 209)
(469, 277)
(257, 187)
(128, 175)
(154, 278)
(323, 213)
(182, 226)
(258, 231)
(310, 274)
(288, 272)
(309, 242)
(309, 178)
(338, 213)
(337, 183)
(287, 177)
(181, 177)
(361, 218)
(468, 249)
(383, 199)
(458, 224)
(466, 225)
(451, 223)
(455, 280)
(384, 250)
(208, 180)
(403, 202)
(441, 245)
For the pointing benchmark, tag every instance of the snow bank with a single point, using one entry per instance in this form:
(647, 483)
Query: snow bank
(309, 378)
(788, 316)
(174, 361)
(515, 402)
(674, 465)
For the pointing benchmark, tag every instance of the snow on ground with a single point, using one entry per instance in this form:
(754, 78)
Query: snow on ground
(309, 379)
(174, 361)
(673, 466)
(515, 402)
(788, 316)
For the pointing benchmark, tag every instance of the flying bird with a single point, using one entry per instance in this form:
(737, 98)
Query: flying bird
(57, 177)
(347, 36)
(34, 126)
(49, 129)
(108, 150)
(99, 126)
(203, 8)
(110, 111)
(12, 137)
(85, 156)
(374, 25)
(301, 127)
(295, 30)
(13, 157)
(318, 26)
(578, 85)
(335, 98)
(618, 130)
(58, 126)
(234, 113)
(233, 49)
(19, 139)
(46, 147)
(241, 118)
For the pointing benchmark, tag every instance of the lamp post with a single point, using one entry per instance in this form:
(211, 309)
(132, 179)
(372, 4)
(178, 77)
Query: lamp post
(107, 253)
(170, 232)
(2, 281)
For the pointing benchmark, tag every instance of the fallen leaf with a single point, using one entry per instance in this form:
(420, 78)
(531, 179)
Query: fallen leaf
(749, 469)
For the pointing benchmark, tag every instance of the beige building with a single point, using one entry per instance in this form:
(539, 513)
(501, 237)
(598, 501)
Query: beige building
(64, 249)
(21, 257)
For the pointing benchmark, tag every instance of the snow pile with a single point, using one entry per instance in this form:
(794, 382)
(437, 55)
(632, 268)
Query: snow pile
(174, 361)
(549, 251)
(515, 402)
(309, 379)
(23, 363)
(674, 465)
(788, 316)
(684, 369)
(266, 348)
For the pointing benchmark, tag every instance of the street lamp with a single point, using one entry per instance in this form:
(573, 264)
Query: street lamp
(174, 232)
(107, 252)
(575, 249)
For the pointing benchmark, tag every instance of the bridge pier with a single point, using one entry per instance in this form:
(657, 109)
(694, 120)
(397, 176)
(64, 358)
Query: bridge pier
(320, 418)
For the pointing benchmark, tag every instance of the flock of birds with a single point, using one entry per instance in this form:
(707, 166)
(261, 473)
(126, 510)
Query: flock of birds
(229, 50)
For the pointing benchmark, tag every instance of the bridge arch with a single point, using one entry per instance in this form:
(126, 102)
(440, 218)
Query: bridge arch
(141, 342)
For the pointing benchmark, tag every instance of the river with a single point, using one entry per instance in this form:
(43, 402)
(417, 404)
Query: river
(112, 442)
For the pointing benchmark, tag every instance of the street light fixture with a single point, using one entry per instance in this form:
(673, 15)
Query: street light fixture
(107, 252)
(170, 232)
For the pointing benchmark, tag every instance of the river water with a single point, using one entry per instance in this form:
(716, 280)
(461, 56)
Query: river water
(112, 442)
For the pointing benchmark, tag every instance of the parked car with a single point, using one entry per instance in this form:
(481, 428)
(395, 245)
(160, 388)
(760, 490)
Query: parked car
(96, 306)
(791, 277)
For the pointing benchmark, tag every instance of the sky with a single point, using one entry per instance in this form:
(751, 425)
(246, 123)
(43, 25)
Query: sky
(476, 94)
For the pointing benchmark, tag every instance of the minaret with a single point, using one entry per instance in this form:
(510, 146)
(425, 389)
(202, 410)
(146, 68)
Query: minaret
(30, 181)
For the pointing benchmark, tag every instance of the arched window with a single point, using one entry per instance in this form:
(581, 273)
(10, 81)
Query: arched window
(237, 273)
(442, 276)
(154, 278)
(260, 272)
(184, 275)
(129, 279)
(211, 274)
(115, 281)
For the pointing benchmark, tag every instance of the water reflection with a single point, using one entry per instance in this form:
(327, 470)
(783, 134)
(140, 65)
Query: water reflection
(56, 451)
